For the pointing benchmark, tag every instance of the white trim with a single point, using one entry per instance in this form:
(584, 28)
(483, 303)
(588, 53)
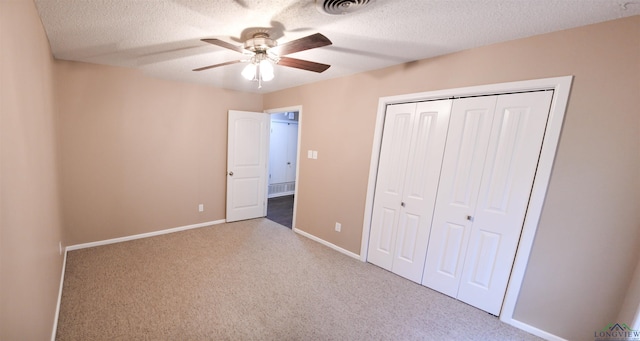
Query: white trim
(57, 314)
(373, 175)
(297, 108)
(537, 332)
(561, 87)
(282, 120)
(326, 243)
(143, 235)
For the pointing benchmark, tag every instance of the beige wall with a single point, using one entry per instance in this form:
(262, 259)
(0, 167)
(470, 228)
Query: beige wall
(588, 237)
(30, 227)
(139, 154)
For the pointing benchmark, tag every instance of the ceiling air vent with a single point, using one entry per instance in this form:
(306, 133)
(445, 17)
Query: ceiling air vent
(340, 7)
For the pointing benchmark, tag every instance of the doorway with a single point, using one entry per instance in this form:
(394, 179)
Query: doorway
(283, 161)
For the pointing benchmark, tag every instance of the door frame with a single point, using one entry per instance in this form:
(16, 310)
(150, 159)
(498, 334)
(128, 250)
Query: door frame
(297, 108)
(561, 87)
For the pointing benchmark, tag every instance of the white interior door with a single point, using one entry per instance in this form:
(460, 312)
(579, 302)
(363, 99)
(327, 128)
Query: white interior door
(510, 166)
(278, 153)
(283, 155)
(408, 180)
(292, 151)
(464, 155)
(247, 146)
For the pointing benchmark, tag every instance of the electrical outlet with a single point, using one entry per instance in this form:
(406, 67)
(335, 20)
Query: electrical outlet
(201, 208)
(338, 227)
(60, 247)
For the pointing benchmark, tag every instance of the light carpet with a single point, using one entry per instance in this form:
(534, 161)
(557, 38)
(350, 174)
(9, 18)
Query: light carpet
(253, 280)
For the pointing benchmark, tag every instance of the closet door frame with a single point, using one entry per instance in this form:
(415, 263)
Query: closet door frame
(561, 87)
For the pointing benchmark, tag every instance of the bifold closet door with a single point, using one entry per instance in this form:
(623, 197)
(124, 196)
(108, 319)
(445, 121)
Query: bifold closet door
(510, 167)
(467, 142)
(491, 157)
(406, 186)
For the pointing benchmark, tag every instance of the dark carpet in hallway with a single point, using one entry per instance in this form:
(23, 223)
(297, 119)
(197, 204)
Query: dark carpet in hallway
(280, 210)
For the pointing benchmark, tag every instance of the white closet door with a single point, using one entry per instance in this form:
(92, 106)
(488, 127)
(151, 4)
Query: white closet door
(408, 175)
(394, 154)
(278, 153)
(420, 188)
(514, 146)
(464, 156)
(283, 152)
(292, 151)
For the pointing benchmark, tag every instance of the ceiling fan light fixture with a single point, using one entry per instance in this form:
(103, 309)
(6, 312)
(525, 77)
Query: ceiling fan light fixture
(249, 71)
(266, 70)
(262, 53)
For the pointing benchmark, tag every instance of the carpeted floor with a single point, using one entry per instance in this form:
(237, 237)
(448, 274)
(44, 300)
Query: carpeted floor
(253, 280)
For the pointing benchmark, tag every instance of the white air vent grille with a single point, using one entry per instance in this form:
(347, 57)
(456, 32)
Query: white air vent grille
(340, 7)
(284, 188)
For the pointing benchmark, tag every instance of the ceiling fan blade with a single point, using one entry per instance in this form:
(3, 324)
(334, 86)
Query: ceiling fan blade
(217, 65)
(306, 43)
(224, 44)
(303, 64)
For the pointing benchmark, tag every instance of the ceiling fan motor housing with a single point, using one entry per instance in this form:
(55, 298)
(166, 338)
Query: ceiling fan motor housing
(260, 43)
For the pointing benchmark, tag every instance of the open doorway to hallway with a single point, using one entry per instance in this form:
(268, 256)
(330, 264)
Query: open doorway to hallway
(283, 153)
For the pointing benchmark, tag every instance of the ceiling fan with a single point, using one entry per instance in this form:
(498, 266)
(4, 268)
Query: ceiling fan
(262, 52)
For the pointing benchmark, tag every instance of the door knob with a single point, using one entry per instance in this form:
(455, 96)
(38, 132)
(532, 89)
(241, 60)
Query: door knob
(469, 218)
(230, 173)
(402, 204)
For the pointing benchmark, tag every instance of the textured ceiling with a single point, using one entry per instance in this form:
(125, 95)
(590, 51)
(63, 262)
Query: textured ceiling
(162, 37)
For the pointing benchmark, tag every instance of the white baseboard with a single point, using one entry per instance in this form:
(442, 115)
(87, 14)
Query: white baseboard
(533, 330)
(326, 243)
(55, 317)
(143, 235)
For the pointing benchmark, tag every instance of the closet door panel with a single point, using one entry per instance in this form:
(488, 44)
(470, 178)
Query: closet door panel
(292, 151)
(464, 156)
(394, 156)
(510, 166)
(420, 187)
(452, 241)
(278, 153)
(407, 241)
